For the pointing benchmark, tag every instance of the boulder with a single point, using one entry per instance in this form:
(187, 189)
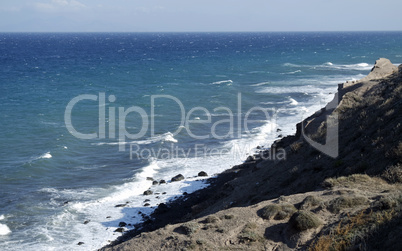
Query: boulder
(155, 183)
(178, 177)
(162, 208)
(119, 230)
(148, 192)
(202, 174)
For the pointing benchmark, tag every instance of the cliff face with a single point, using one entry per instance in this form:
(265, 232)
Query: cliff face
(309, 199)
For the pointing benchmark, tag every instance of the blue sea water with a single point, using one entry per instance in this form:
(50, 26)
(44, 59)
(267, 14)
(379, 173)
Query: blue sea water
(51, 182)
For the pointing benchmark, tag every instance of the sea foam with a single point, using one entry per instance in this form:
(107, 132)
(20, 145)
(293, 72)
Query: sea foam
(4, 229)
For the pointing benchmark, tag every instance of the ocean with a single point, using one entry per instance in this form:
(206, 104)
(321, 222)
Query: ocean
(86, 118)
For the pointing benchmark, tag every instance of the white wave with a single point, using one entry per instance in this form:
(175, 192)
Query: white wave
(292, 72)
(44, 156)
(291, 65)
(290, 89)
(4, 229)
(293, 102)
(260, 84)
(359, 66)
(223, 82)
(166, 137)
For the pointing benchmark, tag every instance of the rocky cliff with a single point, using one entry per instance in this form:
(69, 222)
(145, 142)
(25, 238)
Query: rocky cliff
(310, 200)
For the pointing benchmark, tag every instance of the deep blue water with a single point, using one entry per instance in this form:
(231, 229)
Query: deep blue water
(43, 165)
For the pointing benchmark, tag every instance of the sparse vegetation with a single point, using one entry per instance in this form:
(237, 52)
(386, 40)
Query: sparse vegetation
(295, 147)
(393, 174)
(345, 180)
(189, 228)
(304, 220)
(249, 234)
(211, 219)
(309, 202)
(352, 229)
(342, 202)
(277, 212)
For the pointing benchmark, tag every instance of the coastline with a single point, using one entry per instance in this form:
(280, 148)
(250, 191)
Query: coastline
(257, 181)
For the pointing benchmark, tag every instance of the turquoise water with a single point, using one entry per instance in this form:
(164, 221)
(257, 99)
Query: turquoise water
(51, 181)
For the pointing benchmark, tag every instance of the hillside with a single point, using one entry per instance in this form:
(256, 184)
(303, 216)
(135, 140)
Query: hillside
(310, 200)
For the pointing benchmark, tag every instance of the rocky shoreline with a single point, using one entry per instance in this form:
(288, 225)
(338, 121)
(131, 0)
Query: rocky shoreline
(300, 202)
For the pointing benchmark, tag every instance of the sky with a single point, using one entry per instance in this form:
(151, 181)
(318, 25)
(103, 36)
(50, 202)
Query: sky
(199, 15)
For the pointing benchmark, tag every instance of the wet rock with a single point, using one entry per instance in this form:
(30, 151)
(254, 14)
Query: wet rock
(148, 192)
(202, 174)
(162, 208)
(185, 193)
(250, 159)
(164, 193)
(147, 200)
(80, 243)
(155, 183)
(121, 205)
(122, 224)
(147, 205)
(108, 217)
(119, 230)
(178, 177)
(162, 182)
(150, 178)
(86, 222)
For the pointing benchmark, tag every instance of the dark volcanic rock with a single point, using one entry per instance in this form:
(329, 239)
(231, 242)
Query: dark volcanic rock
(121, 205)
(202, 174)
(148, 192)
(178, 177)
(119, 230)
(155, 183)
(162, 208)
(162, 182)
(122, 224)
(80, 243)
(150, 178)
